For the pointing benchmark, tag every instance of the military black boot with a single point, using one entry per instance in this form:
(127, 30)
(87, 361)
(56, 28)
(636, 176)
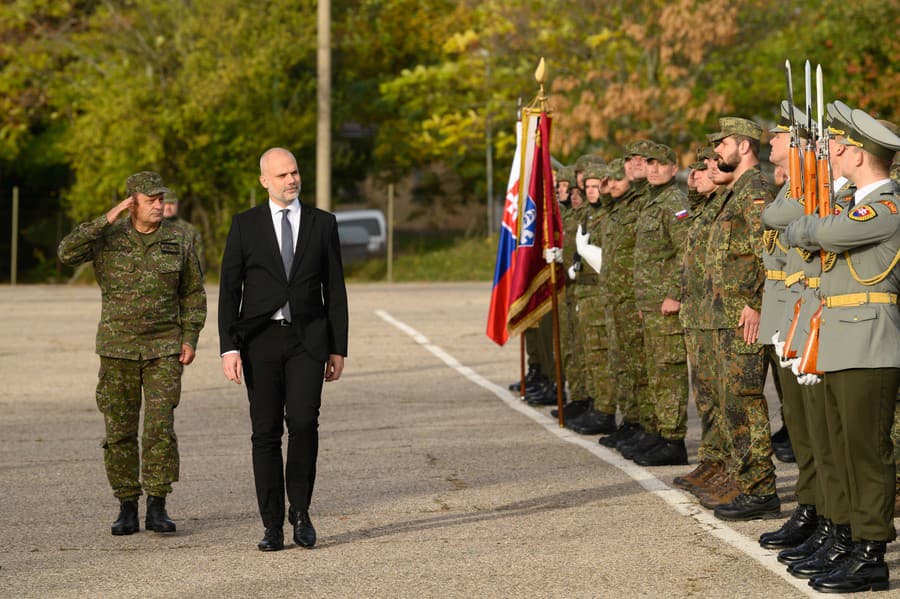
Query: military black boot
(864, 569)
(157, 519)
(632, 450)
(127, 522)
(802, 523)
(573, 409)
(822, 535)
(592, 422)
(664, 453)
(827, 558)
(625, 431)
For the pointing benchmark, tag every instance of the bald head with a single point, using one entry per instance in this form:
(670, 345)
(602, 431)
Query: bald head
(279, 174)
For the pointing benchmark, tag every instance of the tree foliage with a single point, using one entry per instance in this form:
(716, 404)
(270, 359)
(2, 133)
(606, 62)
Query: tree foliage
(93, 90)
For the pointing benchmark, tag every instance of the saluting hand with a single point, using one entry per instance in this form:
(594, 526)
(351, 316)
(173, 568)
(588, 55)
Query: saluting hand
(118, 209)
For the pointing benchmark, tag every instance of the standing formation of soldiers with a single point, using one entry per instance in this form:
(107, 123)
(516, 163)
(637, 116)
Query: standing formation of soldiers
(734, 278)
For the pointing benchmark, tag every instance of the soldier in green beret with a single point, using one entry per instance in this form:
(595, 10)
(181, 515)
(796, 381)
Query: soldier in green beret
(661, 230)
(859, 356)
(734, 282)
(154, 306)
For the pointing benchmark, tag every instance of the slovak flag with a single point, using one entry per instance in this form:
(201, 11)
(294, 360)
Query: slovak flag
(509, 231)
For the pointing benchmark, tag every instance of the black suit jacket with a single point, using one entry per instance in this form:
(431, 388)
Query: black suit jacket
(253, 284)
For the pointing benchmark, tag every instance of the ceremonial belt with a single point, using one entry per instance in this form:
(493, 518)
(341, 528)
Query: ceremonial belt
(858, 299)
(588, 278)
(813, 282)
(776, 275)
(794, 278)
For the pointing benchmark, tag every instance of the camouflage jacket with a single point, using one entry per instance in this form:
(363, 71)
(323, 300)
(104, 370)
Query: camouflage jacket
(592, 217)
(659, 245)
(693, 266)
(618, 233)
(734, 270)
(194, 236)
(153, 296)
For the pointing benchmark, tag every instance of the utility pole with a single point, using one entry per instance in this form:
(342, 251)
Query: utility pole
(323, 96)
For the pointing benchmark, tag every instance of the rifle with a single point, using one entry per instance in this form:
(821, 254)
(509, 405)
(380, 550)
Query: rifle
(808, 362)
(809, 157)
(795, 173)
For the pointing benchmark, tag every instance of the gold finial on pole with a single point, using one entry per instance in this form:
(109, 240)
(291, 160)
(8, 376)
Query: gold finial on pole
(539, 77)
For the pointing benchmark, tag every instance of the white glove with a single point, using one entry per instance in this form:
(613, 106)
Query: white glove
(589, 253)
(552, 255)
(779, 345)
(809, 379)
(794, 365)
(572, 272)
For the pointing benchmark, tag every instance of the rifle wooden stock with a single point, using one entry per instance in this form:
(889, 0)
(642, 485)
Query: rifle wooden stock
(824, 192)
(795, 173)
(809, 182)
(811, 352)
(789, 351)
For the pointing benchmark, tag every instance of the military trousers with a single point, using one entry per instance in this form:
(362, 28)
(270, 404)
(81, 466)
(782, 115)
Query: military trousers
(831, 498)
(860, 405)
(667, 375)
(594, 342)
(120, 388)
(573, 355)
(714, 443)
(626, 357)
(741, 370)
(793, 412)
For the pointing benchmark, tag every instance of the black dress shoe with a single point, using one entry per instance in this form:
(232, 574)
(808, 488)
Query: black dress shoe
(157, 519)
(304, 533)
(750, 507)
(127, 522)
(822, 535)
(592, 422)
(784, 453)
(863, 570)
(573, 409)
(273, 540)
(664, 453)
(798, 528)
(828, 557)
(625, 430)
(543, 395)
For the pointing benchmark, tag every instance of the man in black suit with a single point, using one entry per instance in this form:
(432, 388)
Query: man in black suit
(283, 322)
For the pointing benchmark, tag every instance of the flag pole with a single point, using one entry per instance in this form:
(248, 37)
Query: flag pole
(548, 241)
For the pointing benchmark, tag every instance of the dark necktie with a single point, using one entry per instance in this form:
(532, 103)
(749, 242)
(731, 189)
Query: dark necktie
(287, 253)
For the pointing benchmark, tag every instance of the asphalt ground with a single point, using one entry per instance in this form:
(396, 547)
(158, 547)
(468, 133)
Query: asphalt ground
(434, 481)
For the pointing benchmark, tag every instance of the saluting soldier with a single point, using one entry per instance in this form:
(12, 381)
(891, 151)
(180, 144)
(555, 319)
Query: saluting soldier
(859, 353)
(659, 246)
(153, 308)
(734, 282)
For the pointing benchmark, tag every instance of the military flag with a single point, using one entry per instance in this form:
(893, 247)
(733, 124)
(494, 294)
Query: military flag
(540, 229)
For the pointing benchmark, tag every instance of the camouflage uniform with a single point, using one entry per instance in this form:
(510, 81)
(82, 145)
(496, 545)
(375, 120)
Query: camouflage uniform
(626, 364)
(715, 445)
(573, 353)
(153, 302)
(734, 279)
(191, 232)
(659, 246)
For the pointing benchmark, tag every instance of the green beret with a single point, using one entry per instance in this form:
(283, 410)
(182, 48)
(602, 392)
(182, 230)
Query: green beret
(641, 147)
(145, 182)
(616, 169)
(595, 171)
(732, 125)
(662, 154)
(872, 136)
(567, 174)
(587, 160)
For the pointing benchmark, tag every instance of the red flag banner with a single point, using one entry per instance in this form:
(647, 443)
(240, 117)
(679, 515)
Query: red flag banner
(540, 228)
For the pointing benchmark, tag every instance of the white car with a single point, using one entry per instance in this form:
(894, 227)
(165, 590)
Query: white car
(363, 234)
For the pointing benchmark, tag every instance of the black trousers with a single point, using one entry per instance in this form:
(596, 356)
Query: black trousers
(284, 385)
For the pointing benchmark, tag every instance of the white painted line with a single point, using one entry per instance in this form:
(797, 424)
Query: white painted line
(682, 502)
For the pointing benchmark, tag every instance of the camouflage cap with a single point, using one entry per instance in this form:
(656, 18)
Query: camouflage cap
(732, 125)
(704, 153)
(145, 182)
(662, 154)
(170, 198)
(587, 160)
(838, 117)
(595, 171)
(871, 135)
(641, 147)
(567, 174)
(616, 169)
